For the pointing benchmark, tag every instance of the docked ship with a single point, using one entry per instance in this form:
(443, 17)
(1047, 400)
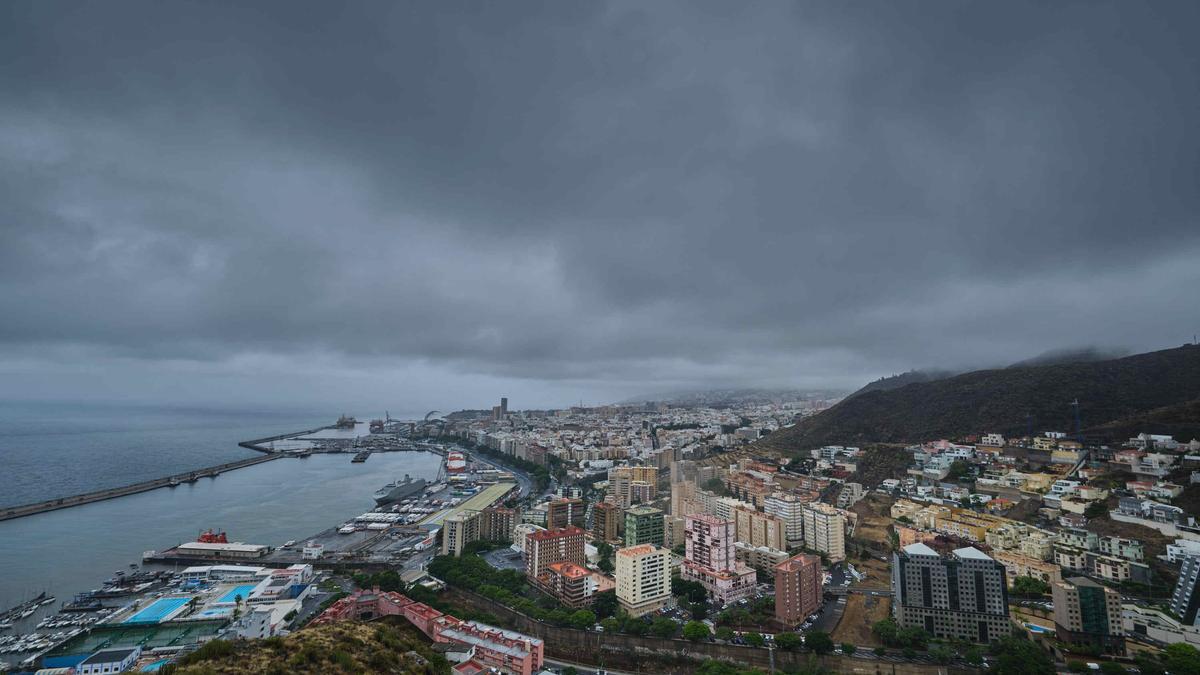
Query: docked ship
(456, 462)
(397, 490)
(345, 422)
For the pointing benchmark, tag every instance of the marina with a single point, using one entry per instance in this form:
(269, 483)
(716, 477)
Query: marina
(195, 590)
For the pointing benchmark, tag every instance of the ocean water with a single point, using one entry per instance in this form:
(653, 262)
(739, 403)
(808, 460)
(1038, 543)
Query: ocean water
(73, 550)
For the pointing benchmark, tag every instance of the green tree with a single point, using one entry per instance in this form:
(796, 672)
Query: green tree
(664, 627)
(959, 469)
(610, 625)
(885, 630)
(755, 639)
(880, 651)
(788, 641)
(974, 656)
(912, 637)
(570, 670)
(583, 619)
(693, 591)
(637, 627)
(605, 550)
(724, 633)
(848, 649)
(1077, 666)
(941, 654)
(1016, 656)
(605, 603)
(1110, 668)
(1182, 658)
(1095, 510)
(819, 641)
(1029, 587)
(695, 631)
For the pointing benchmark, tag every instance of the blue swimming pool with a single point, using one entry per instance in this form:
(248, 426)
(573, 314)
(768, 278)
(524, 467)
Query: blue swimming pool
(243, 591)
(157, 610)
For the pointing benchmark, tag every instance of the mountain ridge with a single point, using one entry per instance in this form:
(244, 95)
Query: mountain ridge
(1006, 401)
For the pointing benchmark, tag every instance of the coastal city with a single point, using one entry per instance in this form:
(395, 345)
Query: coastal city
(658, 529)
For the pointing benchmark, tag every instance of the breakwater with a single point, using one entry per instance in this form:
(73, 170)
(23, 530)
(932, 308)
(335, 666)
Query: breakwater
(134, 488)
(257, 445)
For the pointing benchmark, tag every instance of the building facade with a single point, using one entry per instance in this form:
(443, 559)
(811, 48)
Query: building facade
(962, 596)
(825, 530)
(1185, 600)
(643, 578)
(606, 522)
(546, 547)
(643, 525)
(458, 530)
(760, 529)
(797, 589)
(1089, 614)
(710, 559)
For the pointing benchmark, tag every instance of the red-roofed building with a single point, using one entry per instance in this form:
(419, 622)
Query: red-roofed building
(572, 584)
(546, 547)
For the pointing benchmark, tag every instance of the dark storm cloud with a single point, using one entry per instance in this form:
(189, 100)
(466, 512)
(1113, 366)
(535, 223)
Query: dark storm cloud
(610, 195)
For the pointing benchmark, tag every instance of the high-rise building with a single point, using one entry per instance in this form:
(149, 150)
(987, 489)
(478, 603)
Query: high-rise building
(606, 522)
(962, 596)
(790, 509)
(1185, 600)
(564, 512)
(629, 485)
(797, 588)
(643, 578)
(1087, 613)
(673, 527)
(496, 523)
(711, 561)
(825, 530)
(760, 529)
(643, 525)
(546, 547)
(458, 530)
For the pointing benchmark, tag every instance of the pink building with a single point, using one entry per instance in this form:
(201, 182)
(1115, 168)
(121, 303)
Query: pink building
(364, 605)
(710, 559)
(491, 647)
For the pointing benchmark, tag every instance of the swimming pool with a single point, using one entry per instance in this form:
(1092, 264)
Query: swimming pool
(158, 610)
(1034, 628)
(243, 591)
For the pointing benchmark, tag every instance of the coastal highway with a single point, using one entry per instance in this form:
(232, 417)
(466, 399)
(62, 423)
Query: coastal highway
(523, 479)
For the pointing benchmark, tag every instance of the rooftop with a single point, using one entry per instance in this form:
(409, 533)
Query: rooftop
(569, 569)
(919, 549)
(971, 553)
(640, 549)
(109, 655)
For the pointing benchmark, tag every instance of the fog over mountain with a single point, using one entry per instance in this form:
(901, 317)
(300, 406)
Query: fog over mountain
(431, 204)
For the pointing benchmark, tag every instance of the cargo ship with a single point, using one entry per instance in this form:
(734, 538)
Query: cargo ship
(456, 462)
(345, 422)
(397, 490)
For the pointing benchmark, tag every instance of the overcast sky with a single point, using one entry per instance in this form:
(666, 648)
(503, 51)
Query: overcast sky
(430, 204)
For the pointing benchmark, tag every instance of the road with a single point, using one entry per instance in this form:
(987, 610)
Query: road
(580, 668)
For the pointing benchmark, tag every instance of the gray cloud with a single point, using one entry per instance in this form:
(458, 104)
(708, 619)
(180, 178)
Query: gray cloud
(590, 199)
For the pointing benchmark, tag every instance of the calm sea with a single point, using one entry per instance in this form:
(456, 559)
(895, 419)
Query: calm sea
(56, 450)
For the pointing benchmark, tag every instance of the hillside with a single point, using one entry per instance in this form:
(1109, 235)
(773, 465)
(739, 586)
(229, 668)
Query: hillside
(376, 648)
(902, 380)
(1001, 401)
